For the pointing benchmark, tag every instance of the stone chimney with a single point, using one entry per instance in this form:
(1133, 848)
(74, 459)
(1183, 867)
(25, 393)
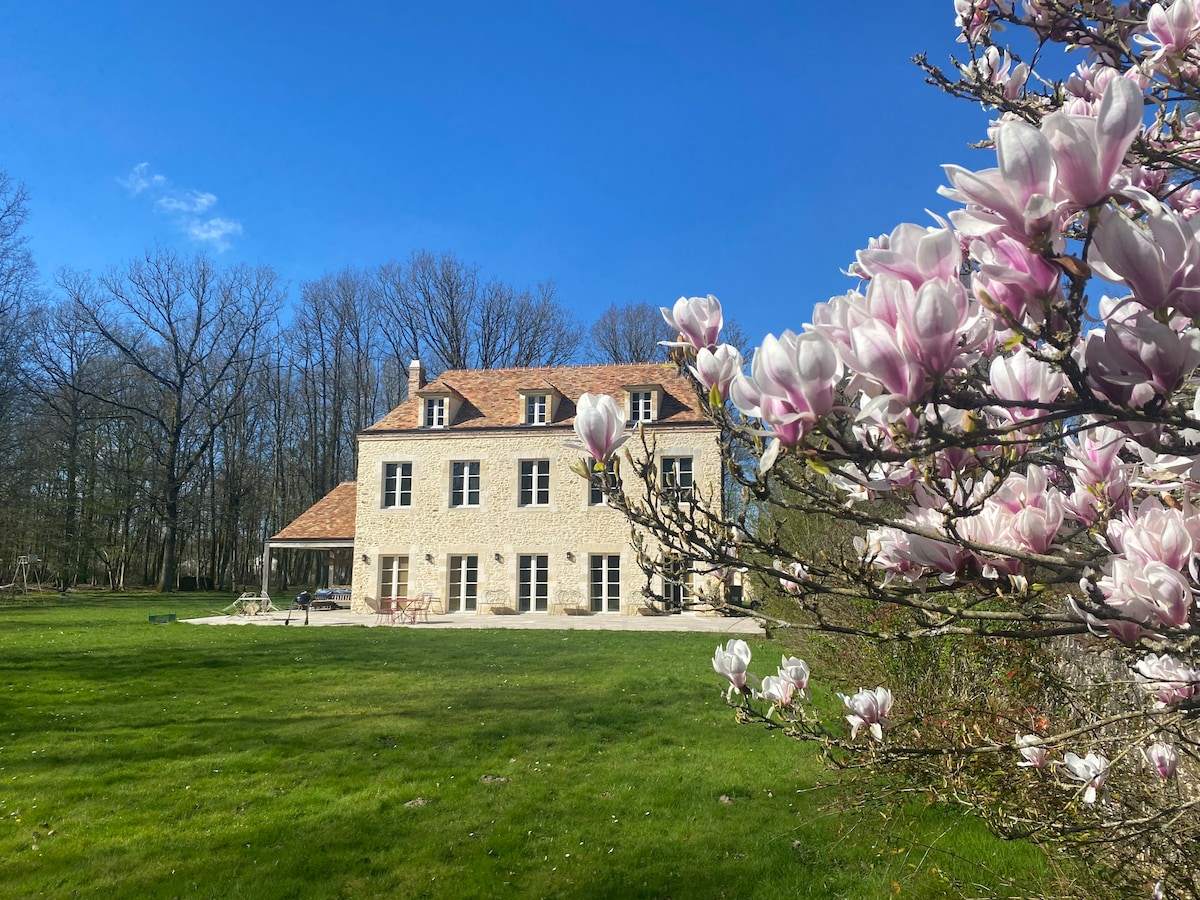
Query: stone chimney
(416, 377)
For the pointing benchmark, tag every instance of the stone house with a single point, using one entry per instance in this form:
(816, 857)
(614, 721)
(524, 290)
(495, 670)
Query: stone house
(465, 491)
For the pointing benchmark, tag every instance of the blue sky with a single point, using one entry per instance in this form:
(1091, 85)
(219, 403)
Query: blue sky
(629, 151)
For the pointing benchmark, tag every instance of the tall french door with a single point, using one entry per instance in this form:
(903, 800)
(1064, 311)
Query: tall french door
(393, 577)
(533, 583)
(464, 583)
(678, 589)
(605, 582)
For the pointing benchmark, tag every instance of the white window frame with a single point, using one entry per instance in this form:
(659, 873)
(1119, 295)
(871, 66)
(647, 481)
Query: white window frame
(604, 593)
(678, 478)
(434, 412)
(393, 574)
(641, 406)
(464, 484)
(597, 480)
(533, 482)
(397, 485)
(462, 593)
(533, 582)
(537, 409)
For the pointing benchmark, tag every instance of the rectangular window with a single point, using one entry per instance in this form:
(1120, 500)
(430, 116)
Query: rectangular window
(677, 478)
(598, 481)
(640, 406)
(397, 485)
(535, 482)
(535, 409)
(435, 412)
(393, 577)
(464, 483)
(464, 583)
(533, 583)
(677, 583)
(606, 582)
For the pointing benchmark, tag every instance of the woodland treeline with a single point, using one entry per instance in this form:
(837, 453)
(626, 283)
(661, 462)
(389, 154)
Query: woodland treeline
(159, 420)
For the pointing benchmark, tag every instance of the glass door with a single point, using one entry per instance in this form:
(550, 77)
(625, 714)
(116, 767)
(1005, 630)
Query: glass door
(605, 582)
(533, 583)
(464, 584)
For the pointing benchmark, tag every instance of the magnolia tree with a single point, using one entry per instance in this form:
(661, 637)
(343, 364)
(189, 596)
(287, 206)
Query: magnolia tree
(1004, 413)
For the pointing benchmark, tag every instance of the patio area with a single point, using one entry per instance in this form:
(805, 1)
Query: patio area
(527, 621)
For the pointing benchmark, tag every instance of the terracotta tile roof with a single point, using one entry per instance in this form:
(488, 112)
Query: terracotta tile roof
(330, 518)
(491, 397)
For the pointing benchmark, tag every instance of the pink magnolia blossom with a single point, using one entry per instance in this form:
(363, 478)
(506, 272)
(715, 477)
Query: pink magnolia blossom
(600, 425)
(792, 383)
(777, 691)
(795, 670)
(914, 254)
(731, 661)
(885, 364)
(1025, 513)
(1091, 769)
(716, 368)
(1017, 196)
(997, 69)
(1011, 280)
(1023, 377)
(795, 573)
(1159, 260)
(1088, 151)
(913, 556)
(1163, 759)
(1148, 593)
(1167, 679)
(1033, 753)
(1132, 364)
(1154, 533)
(697, 319)
(1171, 31)
(935, 324)
(975, 17)
(1128, 633)
(870, 708)
(1101, 479)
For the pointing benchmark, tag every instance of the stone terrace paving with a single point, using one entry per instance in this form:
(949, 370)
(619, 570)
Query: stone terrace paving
(683, 622)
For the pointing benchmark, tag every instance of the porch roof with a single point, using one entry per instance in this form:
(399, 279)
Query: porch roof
(328, 522)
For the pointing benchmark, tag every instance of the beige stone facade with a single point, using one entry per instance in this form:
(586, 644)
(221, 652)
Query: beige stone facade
(491, 517)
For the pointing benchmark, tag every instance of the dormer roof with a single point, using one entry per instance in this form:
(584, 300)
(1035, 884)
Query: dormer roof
(491, 397)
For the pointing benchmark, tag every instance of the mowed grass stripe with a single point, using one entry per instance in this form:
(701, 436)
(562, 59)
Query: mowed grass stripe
(179, 761)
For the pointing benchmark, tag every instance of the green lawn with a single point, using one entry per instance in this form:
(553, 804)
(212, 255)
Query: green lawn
(140, 760)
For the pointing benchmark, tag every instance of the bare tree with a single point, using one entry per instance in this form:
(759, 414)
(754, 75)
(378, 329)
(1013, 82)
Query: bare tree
(629, 334)
(184, 331)
(523, 329)
(437, 308)
(336, 351)
(18, 276)
(69, 365)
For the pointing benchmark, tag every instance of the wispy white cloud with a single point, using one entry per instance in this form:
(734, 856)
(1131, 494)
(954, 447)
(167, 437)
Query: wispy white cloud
(193, 202)
(184, 206)
(214, 232)
(141, 179)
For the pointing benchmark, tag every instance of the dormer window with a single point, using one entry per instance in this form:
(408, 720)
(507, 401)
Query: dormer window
(641, 408)
(539, 404)
(435, 412)
(537, 409)
(643, 402)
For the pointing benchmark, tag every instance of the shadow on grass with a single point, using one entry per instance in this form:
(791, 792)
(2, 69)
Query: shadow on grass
(177, 761)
